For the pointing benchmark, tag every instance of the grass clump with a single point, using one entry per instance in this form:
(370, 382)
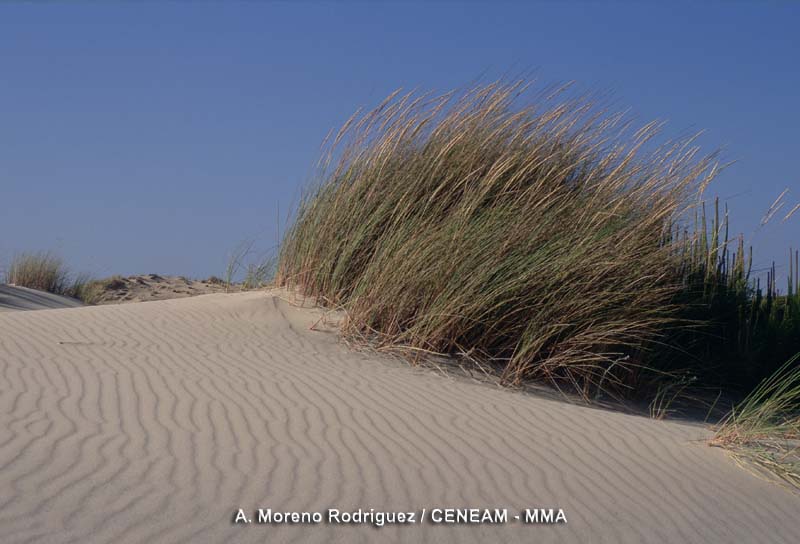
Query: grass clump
(45, 271)
(749, 327)
(533, 237)
(252, 269)
(259, 274)
(90, 291)
(42, 271)
(764, 429)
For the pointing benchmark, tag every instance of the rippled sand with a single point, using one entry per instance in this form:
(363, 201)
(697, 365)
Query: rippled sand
(155, 422)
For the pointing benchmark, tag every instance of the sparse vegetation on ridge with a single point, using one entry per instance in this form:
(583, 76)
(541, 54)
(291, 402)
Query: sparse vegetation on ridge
(45, 271)
(259, 269)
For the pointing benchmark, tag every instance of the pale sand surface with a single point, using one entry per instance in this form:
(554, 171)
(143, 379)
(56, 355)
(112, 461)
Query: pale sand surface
(13, 298)
(154, 422)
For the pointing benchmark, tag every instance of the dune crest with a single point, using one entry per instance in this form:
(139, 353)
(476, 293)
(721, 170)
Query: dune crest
(156, 422)
(14, 298)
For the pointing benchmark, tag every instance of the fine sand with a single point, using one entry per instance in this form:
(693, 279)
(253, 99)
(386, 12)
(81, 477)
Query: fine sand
(13, 298)
(155, 422)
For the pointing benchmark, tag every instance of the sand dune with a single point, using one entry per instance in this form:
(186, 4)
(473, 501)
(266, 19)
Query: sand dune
(155, 422)
(148, 287)
(14, 298)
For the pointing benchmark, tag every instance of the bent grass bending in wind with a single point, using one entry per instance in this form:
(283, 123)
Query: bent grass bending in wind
(533, 238)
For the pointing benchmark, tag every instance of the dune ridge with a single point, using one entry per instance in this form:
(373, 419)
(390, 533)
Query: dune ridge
(14, 298)
(155, 422)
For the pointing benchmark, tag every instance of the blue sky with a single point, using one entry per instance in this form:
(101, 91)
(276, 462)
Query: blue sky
(155, 137)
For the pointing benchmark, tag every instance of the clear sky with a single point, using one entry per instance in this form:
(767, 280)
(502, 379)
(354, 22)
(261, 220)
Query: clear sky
(155, 137)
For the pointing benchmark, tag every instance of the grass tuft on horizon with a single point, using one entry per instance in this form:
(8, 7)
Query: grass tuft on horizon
(42, 271)
(45, 271)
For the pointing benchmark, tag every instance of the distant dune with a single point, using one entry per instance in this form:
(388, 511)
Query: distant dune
(148, 287)
(22, 298)
(156, 422)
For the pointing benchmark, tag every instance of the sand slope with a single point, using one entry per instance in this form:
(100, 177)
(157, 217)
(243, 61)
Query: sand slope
(14, 298)
(155, 422)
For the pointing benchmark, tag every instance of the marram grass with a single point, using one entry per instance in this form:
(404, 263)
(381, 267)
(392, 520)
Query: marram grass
(42, 271)
(749, 327)
(764, 429)
(535, 236)
(45, 271)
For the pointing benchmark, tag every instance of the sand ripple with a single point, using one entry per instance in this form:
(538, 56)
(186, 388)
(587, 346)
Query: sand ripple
(154, 422)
